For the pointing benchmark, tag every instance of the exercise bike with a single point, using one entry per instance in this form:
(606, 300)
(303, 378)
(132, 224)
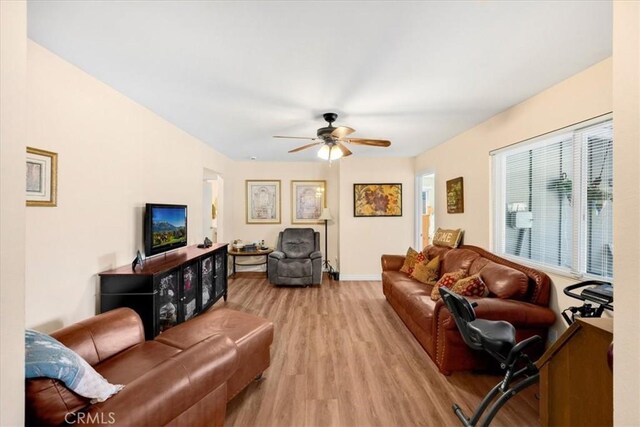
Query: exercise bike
(498, 338)
(594, 292)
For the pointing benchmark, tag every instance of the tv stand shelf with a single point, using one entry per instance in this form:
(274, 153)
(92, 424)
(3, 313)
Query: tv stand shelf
(170, 288)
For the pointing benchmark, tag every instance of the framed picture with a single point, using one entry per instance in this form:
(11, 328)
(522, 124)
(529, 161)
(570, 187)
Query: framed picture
(455, 196)
(307, 200)
(263, 201)
(377, 199)
(42, 177)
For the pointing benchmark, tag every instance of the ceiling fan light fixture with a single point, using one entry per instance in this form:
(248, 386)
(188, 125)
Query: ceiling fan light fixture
(329, 152)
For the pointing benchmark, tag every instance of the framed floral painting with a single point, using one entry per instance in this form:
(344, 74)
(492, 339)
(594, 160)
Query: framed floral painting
(377, 200)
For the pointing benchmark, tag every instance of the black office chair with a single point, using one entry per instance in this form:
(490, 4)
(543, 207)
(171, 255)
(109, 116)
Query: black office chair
(498, 338)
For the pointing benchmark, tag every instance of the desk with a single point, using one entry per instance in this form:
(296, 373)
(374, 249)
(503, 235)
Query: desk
(576, 384)
(259, 253)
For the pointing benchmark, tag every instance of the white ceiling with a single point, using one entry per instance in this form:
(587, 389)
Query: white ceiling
(235, 73)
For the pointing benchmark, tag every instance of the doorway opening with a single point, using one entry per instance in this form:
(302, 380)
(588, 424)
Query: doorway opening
(425, 214)
(212, 203)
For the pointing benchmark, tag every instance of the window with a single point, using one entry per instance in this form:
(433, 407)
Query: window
(553, 200)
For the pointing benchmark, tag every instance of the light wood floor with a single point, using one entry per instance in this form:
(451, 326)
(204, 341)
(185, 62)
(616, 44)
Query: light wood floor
(342, 357)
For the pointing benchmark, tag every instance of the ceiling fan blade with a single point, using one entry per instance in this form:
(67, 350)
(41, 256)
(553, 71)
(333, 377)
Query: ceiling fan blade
(363, 141)
(342, 131)
(295, 137)
(304, 147)
(345, 151)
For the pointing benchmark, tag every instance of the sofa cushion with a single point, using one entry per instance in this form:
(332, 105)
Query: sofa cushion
(471, 286)
(504, 282)
(409, 261)
(427, 271)
(136, 361)
(434, 251)
(448, 280)
(403, 286)
(459, 259)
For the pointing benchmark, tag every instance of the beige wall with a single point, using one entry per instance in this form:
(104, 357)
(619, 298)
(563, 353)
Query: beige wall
(285, 172)
(113, 157)
(364, 240)
(13, 63)
(626, 106)
(585, 95)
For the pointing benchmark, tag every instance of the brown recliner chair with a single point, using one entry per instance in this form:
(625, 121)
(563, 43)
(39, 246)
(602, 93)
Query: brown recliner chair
(297, 260)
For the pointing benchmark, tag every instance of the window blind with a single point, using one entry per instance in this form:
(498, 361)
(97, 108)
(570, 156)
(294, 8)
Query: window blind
(553, 201)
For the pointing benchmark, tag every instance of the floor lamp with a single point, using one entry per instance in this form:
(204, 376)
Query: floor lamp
(326, 216)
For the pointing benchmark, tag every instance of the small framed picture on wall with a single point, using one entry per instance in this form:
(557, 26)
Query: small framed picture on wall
(455, 196)
(263, 201)
(307, 200)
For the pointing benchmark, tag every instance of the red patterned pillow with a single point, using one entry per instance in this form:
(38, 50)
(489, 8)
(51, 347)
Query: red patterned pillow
(420, 257)
(409, 261)
(448, 280)
(471, 286)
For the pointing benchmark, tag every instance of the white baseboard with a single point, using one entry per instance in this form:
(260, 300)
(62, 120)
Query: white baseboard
(355, 277)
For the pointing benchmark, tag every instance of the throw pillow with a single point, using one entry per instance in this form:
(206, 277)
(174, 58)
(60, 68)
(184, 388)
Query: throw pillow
(448, 238)
(47, 357)
(409, 260)
(427, 271)
(471, 286)
(447, 280)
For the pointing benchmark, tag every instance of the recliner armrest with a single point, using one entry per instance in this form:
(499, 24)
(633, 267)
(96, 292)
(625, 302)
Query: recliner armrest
(315, 255)
(277, 255)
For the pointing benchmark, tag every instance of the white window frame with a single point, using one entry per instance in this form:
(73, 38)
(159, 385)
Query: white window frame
(498, 186)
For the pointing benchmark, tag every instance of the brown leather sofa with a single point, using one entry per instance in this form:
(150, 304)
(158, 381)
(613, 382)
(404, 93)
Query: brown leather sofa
(518, 294)
(184, 377)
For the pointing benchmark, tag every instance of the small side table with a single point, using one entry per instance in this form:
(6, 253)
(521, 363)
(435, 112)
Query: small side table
(258, 253)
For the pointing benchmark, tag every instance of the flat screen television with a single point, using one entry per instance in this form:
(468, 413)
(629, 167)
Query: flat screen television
(165, 228)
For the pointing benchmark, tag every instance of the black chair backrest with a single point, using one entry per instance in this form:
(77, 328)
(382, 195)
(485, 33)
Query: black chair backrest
(462, 312)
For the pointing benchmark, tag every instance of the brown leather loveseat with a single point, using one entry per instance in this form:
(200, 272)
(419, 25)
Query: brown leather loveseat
(518, 294)
(184, 377)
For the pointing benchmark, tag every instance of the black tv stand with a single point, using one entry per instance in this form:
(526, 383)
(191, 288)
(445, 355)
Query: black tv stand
(168, 289)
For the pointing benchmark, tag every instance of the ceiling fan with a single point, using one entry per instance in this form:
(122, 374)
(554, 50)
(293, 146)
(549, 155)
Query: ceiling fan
(332, 139)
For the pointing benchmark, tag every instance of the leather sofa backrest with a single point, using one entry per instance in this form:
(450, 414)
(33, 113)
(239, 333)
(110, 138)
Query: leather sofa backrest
(505, 278)
(457, 259)
(104, 335)
(298, 242)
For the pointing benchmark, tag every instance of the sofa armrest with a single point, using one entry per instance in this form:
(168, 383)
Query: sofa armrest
(519, 313)
(392, 262)
(170, 388)
(100, 337)
(315, 255)
(277, 255)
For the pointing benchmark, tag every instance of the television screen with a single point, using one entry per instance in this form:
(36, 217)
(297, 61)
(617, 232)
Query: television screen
(165, 228)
